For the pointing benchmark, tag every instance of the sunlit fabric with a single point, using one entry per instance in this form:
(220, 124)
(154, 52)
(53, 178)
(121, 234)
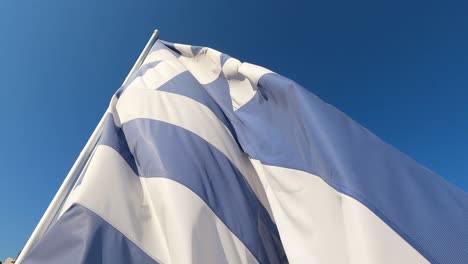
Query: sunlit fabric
(205, 159)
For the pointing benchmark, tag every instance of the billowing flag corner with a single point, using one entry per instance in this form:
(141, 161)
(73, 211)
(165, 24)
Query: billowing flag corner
(204, 159)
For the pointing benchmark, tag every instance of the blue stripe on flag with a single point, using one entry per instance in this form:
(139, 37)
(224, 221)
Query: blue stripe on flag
(285, 125)
(143, 69)
(114, 137)
(185, 84)
(84, 237)
(165, 150)
(219, 91)
(161, 44)
(195, 50)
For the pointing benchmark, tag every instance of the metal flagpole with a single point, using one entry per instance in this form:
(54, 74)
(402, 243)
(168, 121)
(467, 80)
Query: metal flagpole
(77, 167)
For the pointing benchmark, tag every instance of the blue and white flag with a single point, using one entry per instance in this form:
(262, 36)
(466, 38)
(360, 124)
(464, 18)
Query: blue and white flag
(204, 159)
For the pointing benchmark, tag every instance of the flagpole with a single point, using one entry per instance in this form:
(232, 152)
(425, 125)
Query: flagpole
(77, 167)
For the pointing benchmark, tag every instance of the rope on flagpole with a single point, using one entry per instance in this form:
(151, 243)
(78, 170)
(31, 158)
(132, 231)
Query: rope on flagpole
(78, 166)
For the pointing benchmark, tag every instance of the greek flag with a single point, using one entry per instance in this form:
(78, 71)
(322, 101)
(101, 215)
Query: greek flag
(205, 159)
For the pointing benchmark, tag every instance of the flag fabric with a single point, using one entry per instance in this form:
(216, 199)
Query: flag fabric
(204, 159)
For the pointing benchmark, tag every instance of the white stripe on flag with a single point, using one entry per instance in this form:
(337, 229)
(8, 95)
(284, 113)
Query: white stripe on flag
(195, 117)
(319, 224)
(165, 219)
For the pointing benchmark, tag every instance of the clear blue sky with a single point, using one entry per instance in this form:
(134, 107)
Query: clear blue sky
(399, 68)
